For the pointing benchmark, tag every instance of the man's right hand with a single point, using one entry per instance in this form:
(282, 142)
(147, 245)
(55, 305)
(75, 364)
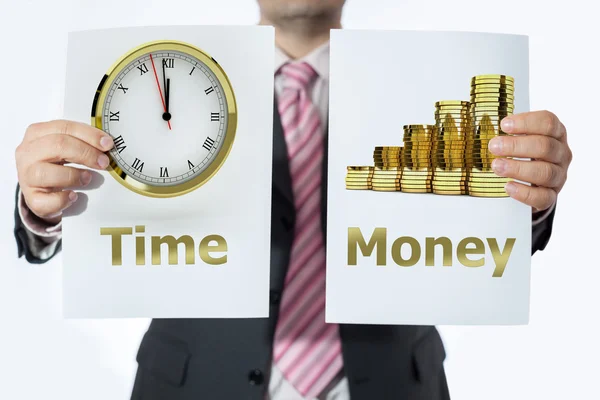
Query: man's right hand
(41, 156)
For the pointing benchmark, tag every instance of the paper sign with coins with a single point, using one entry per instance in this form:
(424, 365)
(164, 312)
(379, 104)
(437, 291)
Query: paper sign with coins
(178, 226)
(420, 228)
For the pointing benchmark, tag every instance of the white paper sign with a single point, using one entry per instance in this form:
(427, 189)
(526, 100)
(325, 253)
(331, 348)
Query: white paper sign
(381, 81)
(235, 204)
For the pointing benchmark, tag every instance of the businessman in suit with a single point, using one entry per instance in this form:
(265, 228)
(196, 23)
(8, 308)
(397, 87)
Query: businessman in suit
(293, 354)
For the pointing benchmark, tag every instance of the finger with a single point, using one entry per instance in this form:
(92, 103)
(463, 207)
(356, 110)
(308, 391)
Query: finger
(530, 146)
(539, 198)
(535, 123)
(539, 173)
(90, 135)
(47, 175)
(50, 204)
(59, 148)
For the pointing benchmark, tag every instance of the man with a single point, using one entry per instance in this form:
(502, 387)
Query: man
(293, 354)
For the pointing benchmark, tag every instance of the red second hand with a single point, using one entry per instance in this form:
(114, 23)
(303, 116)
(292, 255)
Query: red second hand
(159, 89)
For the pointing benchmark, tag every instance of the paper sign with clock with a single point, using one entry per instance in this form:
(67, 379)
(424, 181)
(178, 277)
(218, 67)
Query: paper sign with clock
(178, 221)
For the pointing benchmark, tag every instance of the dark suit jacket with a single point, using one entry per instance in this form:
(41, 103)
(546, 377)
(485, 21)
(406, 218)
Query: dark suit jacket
(192, 359)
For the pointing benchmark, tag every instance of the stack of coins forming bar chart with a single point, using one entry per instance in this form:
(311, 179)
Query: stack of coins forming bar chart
(453, 122)
(492, 99)
(450, 157)
(359, 178)
(388, 168)
(417, 168)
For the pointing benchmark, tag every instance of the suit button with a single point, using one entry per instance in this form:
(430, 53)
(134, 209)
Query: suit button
(274, 297)
(256, 377)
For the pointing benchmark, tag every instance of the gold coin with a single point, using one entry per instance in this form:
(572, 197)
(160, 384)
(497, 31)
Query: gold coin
(407, 190)
(487, 194)
(477, 78)
(386, 189)
(358, 188)
(385, 175)
(491, 89)
(352, 168)
(358, 180)
(385, 148)
(486, 190)
(451, 103)
(493, 98)
(387, 152)
(449, 192)
(491, 86)
(476, 180)
(498, 114)
(418, 126)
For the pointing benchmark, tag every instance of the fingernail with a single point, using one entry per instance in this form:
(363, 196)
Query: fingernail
(499, 166)
(511, 188)
(103, 161)
(73, 197)
(106, 142)
(507, 124)
(86, 178)
(495, 145)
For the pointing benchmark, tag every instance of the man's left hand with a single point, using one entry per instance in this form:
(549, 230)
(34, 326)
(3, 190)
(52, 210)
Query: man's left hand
(540, 136)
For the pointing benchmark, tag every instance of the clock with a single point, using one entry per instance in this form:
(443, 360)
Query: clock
(172, 114)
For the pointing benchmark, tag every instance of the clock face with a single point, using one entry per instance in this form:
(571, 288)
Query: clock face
(171, 112)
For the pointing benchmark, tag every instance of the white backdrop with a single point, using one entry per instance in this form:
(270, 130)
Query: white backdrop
(555, 357)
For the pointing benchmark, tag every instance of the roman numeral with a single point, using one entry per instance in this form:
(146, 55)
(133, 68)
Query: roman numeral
(120, 144)
(114, 116)
(208, 144)
(169, 62)
(124, 89)
(190, 165)
(192, 71)
(164, 172)
(209, 90)
(138, 164)
(143, 69)
(214, 117)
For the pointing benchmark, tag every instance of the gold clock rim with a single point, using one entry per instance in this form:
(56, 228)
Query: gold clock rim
(97, 115)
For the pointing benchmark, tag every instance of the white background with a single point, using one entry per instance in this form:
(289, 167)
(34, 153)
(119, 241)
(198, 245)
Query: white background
(554, 357)
(404, 92)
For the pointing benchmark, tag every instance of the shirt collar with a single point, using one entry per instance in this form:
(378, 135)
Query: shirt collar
(318, 59)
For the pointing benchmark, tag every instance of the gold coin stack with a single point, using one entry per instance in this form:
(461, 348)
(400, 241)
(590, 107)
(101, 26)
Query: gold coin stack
(359, 178)
(492, 99)
(416, 158)
(453, 123)
(388, 168)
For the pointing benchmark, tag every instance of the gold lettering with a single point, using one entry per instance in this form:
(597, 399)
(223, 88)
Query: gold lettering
(206, 248)
(172, 244)
(117, 242)
(397, 251)
(462, 251)
(501, 258)
(356, 239)
(140, 246)
(430, 244)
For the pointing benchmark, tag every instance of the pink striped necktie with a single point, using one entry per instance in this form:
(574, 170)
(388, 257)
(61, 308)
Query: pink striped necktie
(306, 349)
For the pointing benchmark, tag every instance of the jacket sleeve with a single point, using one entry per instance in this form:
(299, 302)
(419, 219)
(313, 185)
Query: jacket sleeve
(541, 232)
(37, 250)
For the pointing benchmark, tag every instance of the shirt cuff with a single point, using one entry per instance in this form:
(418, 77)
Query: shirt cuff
(539, 217)
(46, 232)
